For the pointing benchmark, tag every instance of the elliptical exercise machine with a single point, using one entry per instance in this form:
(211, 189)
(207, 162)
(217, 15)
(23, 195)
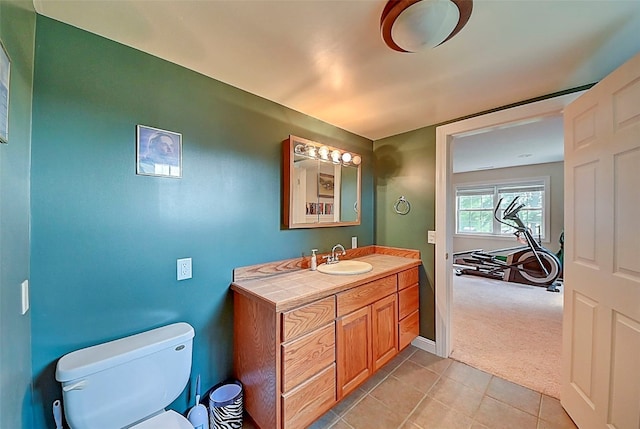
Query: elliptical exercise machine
(531, 264)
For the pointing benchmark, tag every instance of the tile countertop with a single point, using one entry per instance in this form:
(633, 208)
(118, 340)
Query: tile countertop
(286, 291)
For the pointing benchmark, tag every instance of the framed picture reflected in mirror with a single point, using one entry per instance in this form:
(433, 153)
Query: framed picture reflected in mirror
(326, 184)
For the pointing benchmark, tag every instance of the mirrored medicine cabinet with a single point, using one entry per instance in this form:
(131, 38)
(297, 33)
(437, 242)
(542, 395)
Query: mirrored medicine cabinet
(321, 185)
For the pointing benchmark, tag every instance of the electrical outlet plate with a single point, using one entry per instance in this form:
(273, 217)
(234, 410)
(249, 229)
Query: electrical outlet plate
(184, 269)
(354, 242)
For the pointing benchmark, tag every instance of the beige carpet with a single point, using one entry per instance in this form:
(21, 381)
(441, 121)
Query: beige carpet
(510, 330)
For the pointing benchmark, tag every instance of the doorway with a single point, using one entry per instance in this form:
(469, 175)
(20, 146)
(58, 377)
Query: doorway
(445, 207)
(508, 329)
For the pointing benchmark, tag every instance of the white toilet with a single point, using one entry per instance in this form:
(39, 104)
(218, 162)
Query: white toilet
(127, 383)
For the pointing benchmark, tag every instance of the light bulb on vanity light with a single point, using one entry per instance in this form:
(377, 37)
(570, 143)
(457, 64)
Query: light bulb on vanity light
(356, 160)
(346, 157)
(323, 152)
(335, 156)
(311, 151)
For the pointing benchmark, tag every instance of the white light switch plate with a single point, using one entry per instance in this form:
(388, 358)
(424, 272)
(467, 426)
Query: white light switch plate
(431, 237)
(184, 269)
(354, 242)
(25, 296)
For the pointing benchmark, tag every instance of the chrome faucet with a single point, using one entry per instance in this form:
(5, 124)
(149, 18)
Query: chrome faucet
(334, 258)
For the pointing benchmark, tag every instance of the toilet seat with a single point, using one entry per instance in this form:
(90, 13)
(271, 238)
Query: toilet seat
(166, 420)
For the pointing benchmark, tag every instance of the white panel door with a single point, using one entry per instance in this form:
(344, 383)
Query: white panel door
(601, 334)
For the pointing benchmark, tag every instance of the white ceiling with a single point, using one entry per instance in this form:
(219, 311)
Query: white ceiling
(327, 59)
(533, 142)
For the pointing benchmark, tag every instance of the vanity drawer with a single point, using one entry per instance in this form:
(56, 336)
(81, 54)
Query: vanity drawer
(307, 318)
(408, 329)
(408, 301)
(366, 294)
(304, 404)
(408, 278)
(308, 355)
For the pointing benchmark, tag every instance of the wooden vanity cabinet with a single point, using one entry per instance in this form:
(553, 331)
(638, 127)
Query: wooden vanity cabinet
(366, 330)
(308, 356)
(408, 307)
(297, 364)
(285, 360)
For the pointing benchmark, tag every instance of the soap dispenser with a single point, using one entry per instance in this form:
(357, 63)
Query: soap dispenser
(314, 259)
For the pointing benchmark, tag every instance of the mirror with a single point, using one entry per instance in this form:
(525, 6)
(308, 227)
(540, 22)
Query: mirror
(321, 185)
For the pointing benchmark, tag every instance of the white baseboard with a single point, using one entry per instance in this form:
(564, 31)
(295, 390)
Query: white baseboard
(425, 344)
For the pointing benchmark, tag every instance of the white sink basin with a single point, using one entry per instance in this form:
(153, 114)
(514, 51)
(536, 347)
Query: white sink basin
(345, 268)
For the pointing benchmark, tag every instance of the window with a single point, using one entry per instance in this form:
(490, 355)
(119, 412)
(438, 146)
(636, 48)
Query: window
(475, 204)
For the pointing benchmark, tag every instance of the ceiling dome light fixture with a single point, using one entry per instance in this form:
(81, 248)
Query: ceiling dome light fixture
(413, 25)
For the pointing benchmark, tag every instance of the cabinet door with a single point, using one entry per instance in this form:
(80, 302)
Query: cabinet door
(353, 334)
(384, 320)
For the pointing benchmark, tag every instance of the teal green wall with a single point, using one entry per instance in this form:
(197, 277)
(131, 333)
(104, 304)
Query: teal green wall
(405, 166)
(105, 241)
(17, 32)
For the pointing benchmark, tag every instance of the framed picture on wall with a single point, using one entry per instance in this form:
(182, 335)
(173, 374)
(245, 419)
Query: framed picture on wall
(325, 185)
(158, 152)
(5, 69)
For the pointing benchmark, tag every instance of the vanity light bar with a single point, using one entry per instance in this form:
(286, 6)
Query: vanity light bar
(326, 153)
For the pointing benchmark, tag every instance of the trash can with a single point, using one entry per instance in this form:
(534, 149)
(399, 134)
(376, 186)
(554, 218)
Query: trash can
(226, 405)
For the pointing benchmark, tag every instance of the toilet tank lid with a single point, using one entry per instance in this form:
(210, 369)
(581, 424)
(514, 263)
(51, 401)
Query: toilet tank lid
(90, 360)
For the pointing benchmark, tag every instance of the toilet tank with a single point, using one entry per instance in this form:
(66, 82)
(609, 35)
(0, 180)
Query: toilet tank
(116, 384)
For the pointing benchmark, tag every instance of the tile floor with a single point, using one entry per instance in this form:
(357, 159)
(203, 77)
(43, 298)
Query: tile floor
(418, 390)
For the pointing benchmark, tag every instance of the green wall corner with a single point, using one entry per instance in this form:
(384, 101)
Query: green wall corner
(17, 32)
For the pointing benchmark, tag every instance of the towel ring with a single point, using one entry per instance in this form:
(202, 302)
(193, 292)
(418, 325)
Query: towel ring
(402, 206)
